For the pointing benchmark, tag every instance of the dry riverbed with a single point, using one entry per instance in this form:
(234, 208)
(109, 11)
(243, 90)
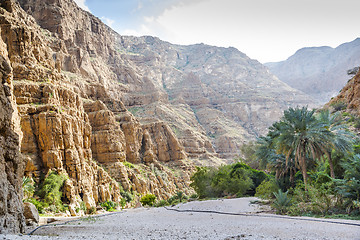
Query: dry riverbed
(199, 220)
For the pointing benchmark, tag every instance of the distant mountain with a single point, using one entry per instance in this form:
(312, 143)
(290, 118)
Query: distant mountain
(319, 71)
(213, 93)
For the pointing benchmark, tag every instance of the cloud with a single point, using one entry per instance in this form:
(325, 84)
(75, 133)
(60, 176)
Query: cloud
(108, 21)
(82, 4)
(263, 29)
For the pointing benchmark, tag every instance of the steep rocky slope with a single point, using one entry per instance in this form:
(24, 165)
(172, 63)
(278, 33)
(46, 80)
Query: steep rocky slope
(232, 97)
(11, 162)
(72, 125)
(349, 96)
(319, 71)
(214, 99)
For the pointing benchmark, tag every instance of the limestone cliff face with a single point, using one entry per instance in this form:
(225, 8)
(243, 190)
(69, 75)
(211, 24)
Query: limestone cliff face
(11, 162)
(71, 120)
(319, 71)
(213, 99)
(232, 98)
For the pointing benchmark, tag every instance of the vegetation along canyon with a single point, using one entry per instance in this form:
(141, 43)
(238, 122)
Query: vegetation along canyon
(115, 136)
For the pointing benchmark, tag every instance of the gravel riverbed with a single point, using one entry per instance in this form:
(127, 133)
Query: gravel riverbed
(247, 221)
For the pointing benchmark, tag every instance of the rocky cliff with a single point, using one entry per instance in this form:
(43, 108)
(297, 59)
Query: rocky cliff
(72, 120)
(213, 99)
(11, 162)
(349, 97)
(225, 97)
(319, 71)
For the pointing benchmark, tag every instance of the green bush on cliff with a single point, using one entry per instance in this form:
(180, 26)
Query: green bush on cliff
(109, 206)
(50, 191)
(148, 200)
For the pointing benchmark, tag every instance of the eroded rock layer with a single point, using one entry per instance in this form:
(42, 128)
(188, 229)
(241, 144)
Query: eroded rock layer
(70, 122)
(11, 162)
(214, 99)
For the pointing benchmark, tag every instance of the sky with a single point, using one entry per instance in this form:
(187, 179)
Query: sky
(266, 30)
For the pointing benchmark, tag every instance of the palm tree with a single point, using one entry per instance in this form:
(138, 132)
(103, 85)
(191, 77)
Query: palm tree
(28, 187)
(267, 156)
(301, 135)
(342, 140)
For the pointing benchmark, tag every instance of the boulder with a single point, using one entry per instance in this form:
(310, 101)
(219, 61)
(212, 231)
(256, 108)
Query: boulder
(31, 214)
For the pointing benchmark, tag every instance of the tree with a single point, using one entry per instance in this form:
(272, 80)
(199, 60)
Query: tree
(342, 139)
(28, 187)
(299, 134)
(267, 156)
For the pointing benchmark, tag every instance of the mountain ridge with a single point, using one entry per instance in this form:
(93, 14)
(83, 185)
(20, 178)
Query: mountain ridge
(318, 71)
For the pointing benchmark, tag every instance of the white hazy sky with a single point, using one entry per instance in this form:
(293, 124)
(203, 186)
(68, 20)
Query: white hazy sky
(266, 30)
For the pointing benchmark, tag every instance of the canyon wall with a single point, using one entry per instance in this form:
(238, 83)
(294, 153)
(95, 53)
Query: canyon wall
(11, 162)
(72, 125)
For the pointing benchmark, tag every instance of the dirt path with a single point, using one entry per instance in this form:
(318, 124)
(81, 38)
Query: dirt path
(160, 223)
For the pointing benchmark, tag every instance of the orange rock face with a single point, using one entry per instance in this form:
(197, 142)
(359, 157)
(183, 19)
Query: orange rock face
(71, 123)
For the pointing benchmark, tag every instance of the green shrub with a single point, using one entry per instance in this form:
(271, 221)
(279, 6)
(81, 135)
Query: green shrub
(349, 187)
(50, 191)
(230, 180)
(173, 200)
(109, 206)
(127, 196)
(266, 189)
(123, 203)
(317, 200)
(201, 181)
(128, 164)
(161, 203)
(148, 200)
(282, 202)
(339, 105)
(40, 206)
(82, 207)
(91, 211)
(181, 196)
(194, 196)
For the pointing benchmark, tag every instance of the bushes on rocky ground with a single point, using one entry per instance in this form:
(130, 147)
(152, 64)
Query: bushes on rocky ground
(109, 206)
(47, 197)
(237, 179)
(179, 197)
(282, 201)
(266, 189)
(148, 200)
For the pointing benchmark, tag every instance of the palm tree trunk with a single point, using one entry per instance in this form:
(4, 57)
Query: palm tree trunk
(332, 173)
(304, 170)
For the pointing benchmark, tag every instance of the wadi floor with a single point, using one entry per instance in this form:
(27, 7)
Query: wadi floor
(247, 222)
